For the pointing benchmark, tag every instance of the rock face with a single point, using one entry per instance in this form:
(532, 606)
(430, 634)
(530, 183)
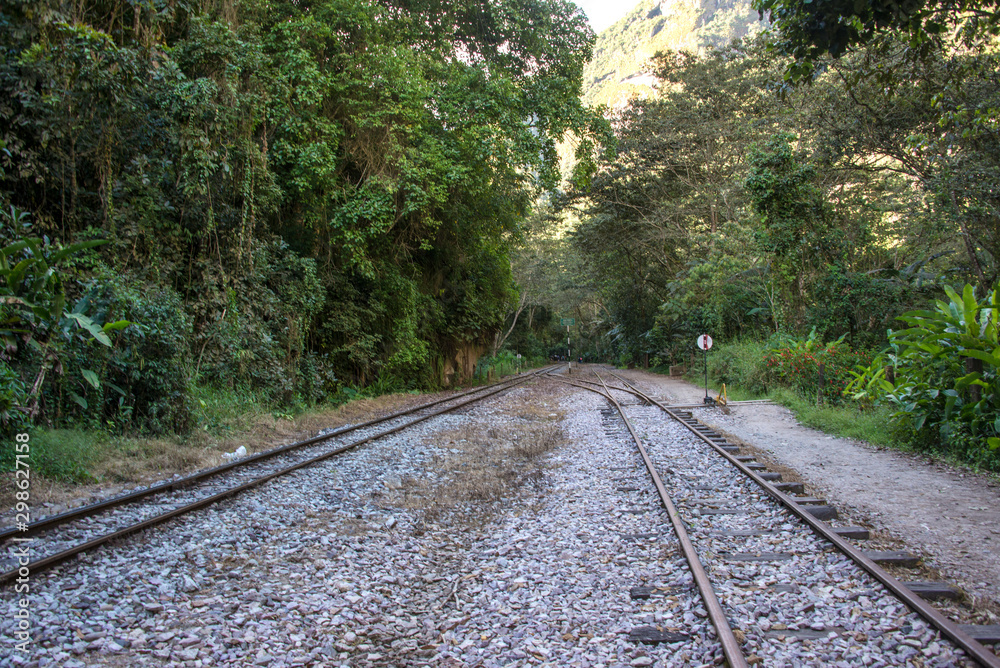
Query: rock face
(620, 69)
(459, 366)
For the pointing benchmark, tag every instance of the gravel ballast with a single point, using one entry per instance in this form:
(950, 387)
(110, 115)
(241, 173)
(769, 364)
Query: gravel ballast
(341, 565)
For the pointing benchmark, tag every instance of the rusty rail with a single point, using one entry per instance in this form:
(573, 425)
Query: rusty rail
(173, 485)
(730, 645)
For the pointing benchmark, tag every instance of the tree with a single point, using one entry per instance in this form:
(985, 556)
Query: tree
(928, 126)
(326, 193)
(808, 30)
(796, 224)
(673, 189)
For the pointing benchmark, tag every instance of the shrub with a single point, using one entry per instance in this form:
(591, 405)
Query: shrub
(13, 395)
(740, 364)
(945, 383)
(796, 364)
(143, 378)
(861, 305)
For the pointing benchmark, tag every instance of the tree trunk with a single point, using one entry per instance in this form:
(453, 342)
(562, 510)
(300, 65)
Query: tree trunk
(973, 365)
(969, 246)
(498, 341)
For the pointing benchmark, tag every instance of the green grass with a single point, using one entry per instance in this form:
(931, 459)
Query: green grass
(223, 419)
(65, 454)
(732, 393)
(76, 455)
(740, 364)
(845, 420)
(871, 426)
(220, 411)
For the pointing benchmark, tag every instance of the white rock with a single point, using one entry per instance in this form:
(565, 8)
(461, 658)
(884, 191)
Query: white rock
(239, 453)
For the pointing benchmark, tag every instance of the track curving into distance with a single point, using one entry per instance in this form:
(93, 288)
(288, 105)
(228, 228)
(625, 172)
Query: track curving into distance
(745, 504)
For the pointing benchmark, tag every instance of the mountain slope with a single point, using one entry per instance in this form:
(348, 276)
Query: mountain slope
(620, 69)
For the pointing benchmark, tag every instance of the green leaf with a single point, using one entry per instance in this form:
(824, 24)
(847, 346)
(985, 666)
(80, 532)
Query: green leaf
(58, 305)
(993, 442)
(18, 271)
(15, 247)
(78, 399)
(986, 357)
(92, 327)
(74, 248)
(42, 313)
(91, 378)
(970, 309)
(949, 407)
(118, 324)
(967, 379)
(7, 299)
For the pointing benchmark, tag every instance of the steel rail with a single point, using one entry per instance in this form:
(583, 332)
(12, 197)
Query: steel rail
(596, 384)
(730, 645)
(950, 629)
(747, 402)
(173, 485)
(52, 560)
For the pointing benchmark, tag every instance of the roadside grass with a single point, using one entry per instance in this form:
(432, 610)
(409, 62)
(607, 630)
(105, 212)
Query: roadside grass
(733, 393)
(872, 426)
(64, 454)
(846, 420)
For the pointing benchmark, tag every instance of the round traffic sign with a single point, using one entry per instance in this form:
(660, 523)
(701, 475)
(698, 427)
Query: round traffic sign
(704, 341)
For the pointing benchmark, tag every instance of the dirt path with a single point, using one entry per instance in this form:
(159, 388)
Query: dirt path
(948, 516)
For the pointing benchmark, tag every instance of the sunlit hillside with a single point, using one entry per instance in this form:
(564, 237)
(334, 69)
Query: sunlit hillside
(619, 69)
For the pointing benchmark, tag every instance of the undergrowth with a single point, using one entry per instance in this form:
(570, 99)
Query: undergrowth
(743, 367)
(846, 421)
(65, 454)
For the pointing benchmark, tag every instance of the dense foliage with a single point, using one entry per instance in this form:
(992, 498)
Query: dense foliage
(807, 30)
(942, 375)
(813, 368)
(293, 197)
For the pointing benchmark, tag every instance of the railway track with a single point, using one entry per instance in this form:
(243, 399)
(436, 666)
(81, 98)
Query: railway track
(753, 548)
(68, 534)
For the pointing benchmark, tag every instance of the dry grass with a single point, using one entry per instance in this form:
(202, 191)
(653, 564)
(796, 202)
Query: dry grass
(479, 466)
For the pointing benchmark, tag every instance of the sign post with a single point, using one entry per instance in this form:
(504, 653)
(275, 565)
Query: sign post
(568, 322)
(705, 342)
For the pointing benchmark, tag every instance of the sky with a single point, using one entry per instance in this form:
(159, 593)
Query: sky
(603, 13)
